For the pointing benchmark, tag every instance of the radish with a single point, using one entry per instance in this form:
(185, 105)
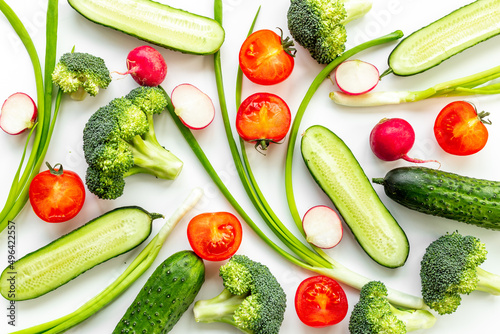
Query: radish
(194, 108)
(322, 227)
(392, 138)
(146, 66)
(18, 113)
(355, 77)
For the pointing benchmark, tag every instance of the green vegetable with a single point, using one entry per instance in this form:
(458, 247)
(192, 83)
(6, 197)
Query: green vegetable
(139, 265)
(373, 314)
(156, 23)
(167, 294)
(319, 25)
(119, 140)
(109, 235)
(450, 268)
(435, 192)
(338, 173)
(252, 299)
(444, 38)
(79, 74)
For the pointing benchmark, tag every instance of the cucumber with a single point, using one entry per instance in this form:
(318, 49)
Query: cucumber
(166, 295)
(156, 23)
(444, 38)
(338, 173)
(444, 194)
(109, 235)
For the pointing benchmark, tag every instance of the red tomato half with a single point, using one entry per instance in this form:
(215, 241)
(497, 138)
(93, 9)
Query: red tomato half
(56, 195)
(265, 58)
(320, 301)
(263, 118)
(214, 236)
(460, 130)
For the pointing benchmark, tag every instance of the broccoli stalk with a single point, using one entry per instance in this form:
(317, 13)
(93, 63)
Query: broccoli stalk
(450, 268)
(252, 299)
(319, 25)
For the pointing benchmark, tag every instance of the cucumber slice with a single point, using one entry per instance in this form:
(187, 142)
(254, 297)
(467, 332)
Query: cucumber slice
(340, 176)
(156, 23)
(444, 38)
(109, 235)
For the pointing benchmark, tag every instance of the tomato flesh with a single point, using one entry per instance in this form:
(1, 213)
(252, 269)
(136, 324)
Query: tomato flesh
(214, 236)
(320, 301)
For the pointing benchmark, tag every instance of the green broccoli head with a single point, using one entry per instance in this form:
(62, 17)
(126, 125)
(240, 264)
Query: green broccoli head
(450, 268)
(252, 300)
(79, 74)
(374, 314)
(319, 25)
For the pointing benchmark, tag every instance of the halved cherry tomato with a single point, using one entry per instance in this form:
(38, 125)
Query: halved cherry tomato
(265, 58)
(320, 301)
(214, 236)
(460, 130)
(56, 195)
(263, 118)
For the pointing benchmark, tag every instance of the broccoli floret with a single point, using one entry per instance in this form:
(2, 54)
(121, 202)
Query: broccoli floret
(79, 74)
(374, 314)
(252, 299)
(450, 268)
(319, 25)
(119, 140)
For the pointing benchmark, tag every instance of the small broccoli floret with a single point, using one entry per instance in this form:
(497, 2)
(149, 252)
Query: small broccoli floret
(79, 74)
(119, 140)
(319, 25)
(374, 314)
(450, 268)
(252, 299)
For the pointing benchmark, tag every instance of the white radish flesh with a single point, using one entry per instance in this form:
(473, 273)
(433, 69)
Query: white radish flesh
(322, 227)
(356, 77)
(18, 114)
(194, 108)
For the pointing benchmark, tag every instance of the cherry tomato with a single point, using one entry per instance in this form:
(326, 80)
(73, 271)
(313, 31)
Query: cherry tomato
(265, 58)
(56, 195)
(460, 130)
(263, 118)
(214, 236)
(320, 301)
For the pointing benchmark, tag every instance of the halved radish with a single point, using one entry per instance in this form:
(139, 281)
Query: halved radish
(322, 226)
(356, 77)
(18, 113)
(194, 108)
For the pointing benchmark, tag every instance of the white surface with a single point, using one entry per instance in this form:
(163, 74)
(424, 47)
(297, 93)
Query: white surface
(479, 311)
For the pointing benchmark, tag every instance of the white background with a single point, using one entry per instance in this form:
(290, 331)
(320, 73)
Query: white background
(479, 311)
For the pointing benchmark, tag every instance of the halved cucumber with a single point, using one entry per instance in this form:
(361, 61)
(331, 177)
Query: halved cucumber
(109, 235)
(340, 176)
(453, 33)
(156, 23)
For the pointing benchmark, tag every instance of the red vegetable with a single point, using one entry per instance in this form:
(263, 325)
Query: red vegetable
(265, 58)
(320, 301)
(460, 130)
(147, 66)
(56, 195)
(263, 118)
(214, 236)
(18, 114)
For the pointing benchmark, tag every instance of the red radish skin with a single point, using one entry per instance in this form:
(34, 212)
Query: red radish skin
(18, 113)
(146, 66)
(392, 138)
(356, 77)
(322, 227)
(194, 108)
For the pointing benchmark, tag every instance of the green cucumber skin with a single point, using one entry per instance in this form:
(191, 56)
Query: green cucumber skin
(167, 294)
(210, 36)
(58, 270)
(339, 175)
(425, 37)
(444, 194)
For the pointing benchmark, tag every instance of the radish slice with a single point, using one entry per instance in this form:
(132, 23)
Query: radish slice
(194, 108)
(356, 77)
(18, 113)
(322, 226)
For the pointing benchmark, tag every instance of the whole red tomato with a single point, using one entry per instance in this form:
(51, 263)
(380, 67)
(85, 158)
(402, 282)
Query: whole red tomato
(56, 195)
(460, 130)
(265, 58)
